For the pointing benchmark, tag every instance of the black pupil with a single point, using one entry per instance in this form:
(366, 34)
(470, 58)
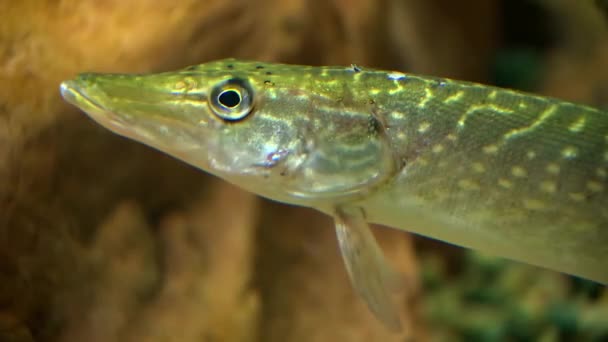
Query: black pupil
(229, 98)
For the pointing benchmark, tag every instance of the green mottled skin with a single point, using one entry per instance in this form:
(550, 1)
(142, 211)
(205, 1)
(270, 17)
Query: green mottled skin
(507, 173)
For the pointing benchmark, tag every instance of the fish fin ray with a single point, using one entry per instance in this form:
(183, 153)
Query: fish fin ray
(369, 271)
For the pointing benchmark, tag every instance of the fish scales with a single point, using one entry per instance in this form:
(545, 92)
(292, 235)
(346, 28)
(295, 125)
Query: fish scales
(500, 171)
(512, 168)
(530, 168)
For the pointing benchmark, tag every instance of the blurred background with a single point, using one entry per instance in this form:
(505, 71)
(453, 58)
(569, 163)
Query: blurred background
(103, 239)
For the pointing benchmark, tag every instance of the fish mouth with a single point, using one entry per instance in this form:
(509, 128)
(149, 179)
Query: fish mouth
(74, 93)
(145, 126)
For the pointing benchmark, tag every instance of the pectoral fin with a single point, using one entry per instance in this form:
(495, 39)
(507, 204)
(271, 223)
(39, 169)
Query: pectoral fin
(367, 268)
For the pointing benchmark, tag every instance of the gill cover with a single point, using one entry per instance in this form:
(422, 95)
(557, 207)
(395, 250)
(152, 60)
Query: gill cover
(346, 152)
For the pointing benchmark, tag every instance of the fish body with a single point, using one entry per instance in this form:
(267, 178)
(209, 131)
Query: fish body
(500, 171)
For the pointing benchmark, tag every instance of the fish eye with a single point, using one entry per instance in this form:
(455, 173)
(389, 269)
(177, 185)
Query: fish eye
(231, 100)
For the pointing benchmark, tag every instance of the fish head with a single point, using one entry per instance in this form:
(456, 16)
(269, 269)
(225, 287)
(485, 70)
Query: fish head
(263, 127)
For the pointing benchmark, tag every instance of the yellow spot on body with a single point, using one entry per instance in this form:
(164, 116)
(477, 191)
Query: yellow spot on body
(428, 95)
(483, 107)
(500, 110)
(531, 155)
(546, 114)
(553, 169)
(492, 95)
(505, 183)
(374, 91)
(467, 184)
(455, 97)
(451, 137)
(396, 90)
(180, 85)
(548, 187)
(462, 120)
(600, 172)
(533, 204)
(578, 125)
(522, 105)
(424, 127)
(478, 167)
(577, 196)
(569, 152)
(595, 186)
(437, 148)
(397, 115)
(401, 136)
(490, 149)
(518, 171)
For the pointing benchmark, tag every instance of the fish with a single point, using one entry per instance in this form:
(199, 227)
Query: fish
(504, 172)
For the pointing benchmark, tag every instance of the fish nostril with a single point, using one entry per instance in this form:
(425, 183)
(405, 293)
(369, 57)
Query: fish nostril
(86, 76)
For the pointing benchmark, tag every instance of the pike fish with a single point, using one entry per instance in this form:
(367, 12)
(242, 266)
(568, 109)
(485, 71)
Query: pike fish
(504, 172)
